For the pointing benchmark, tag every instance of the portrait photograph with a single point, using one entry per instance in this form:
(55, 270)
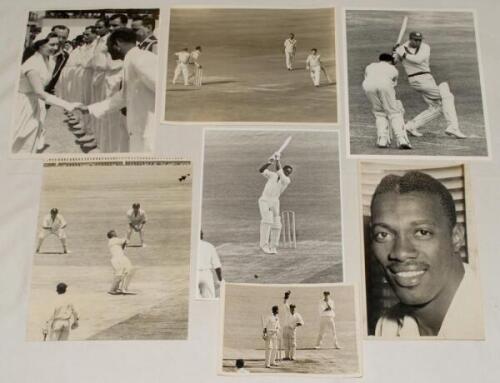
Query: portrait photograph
(290, 329)
(410, 91)
(271, 209)
(251, 65)
(421, 262)
(87, 83)
(111, 259)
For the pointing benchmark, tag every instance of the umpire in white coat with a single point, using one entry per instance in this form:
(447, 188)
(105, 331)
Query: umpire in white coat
(137, 93)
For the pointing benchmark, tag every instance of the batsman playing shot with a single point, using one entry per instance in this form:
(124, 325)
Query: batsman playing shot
(53, 224)
(269, 203)
(414, 55)
(136, 221)
(123, 269)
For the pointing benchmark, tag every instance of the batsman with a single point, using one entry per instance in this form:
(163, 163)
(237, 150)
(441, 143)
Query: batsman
(414, 55)
(269, 203)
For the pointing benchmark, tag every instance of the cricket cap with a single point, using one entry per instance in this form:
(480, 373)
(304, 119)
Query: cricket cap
(416, 35)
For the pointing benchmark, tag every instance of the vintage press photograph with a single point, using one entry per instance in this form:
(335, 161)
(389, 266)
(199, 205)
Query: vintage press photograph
(87, 82)
(414, 84)
(251, 65)
(421, 263)
(290, 329)
(112, 251)
(270, 208)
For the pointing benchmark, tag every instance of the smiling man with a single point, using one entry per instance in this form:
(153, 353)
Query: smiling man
(417, 241)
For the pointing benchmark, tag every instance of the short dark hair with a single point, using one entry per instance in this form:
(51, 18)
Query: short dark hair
(104, 20)
(123, 34)
(59, 26)
(37, 44)
(415, 181)
(54, 210)
(123, 17)
(92, 28)
(292, 306)
(314, 49)
(136, 205)
(326, 293)
(274, 308)
(149, 21)
(198, 47)
(61, 288)
(240, 363)
(387, 57)
(288, 166)
(110, 234)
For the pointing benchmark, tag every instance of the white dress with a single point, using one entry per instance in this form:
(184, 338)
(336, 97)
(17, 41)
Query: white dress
(29, 108)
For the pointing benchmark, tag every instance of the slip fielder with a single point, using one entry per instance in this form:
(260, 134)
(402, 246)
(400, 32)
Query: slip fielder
(53, 224)
(292, 320)
(136, 221)
(414, 55)
(183, 58)
(269, 203)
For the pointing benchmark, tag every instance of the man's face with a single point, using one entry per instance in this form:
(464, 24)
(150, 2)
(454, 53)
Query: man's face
(292, 310)
(89, 36)
(140, 30)
(275, 311)
(62, 35)
(292, 36)
(287, 170)
(50, 47)
(53, 215)
(114, 49)
(115, 24)
(413, 241)
(415, 43)
(100, 28)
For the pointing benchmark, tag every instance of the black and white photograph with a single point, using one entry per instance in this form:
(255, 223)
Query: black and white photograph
(87, 83)
(270, 208)
(251, 65)
(414, 84)
(290, 329)
(112, 251)
(421, 263)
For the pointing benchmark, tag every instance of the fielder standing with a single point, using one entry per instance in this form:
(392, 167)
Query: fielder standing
(208, 261)
(270, 335)
(136, 221)
(123, 269)
(414, 56)
(313, 65)
(269, 203)
(327, 319)
(53, 224)
(183, 58)
(292, 320)
(290, 49)
(380, 80)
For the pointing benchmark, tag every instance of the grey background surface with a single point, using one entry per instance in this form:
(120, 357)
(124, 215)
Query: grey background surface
(195, 360)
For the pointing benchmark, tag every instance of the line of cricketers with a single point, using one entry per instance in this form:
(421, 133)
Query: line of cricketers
(65, 317)
(277, 335)
(109, 75)
(379, 84)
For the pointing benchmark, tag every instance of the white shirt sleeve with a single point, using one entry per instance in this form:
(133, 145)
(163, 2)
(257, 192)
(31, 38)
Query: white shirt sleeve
(422, 55)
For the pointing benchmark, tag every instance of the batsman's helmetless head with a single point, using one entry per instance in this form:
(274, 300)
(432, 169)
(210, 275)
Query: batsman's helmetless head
(415, 236)
(54, 211)
(292, 308)
(275, 310)
(292, 36)
(287, 169)
(111, 234)
(61, 288)
(314, 51)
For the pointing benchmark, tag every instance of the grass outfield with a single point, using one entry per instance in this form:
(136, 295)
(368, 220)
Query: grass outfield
(244, 73)
(93, 200)
(232, 185)
(453, 59)
(245, 305)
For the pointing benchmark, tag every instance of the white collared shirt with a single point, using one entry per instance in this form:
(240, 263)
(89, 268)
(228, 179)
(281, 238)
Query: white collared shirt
(276, 184)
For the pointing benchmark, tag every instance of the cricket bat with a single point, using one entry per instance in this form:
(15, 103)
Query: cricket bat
(402, 30)
(323, 69)
(285, 144)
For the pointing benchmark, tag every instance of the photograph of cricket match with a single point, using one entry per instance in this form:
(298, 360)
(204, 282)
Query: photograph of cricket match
(290, 329)
(251, 65)
(414, 84)
(270, 208)
(112, 250)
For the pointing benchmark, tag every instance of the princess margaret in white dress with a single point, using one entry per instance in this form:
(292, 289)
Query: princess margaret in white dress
(36, 72)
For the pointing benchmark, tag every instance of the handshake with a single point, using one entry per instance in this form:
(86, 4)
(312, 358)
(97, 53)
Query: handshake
(72, 106)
